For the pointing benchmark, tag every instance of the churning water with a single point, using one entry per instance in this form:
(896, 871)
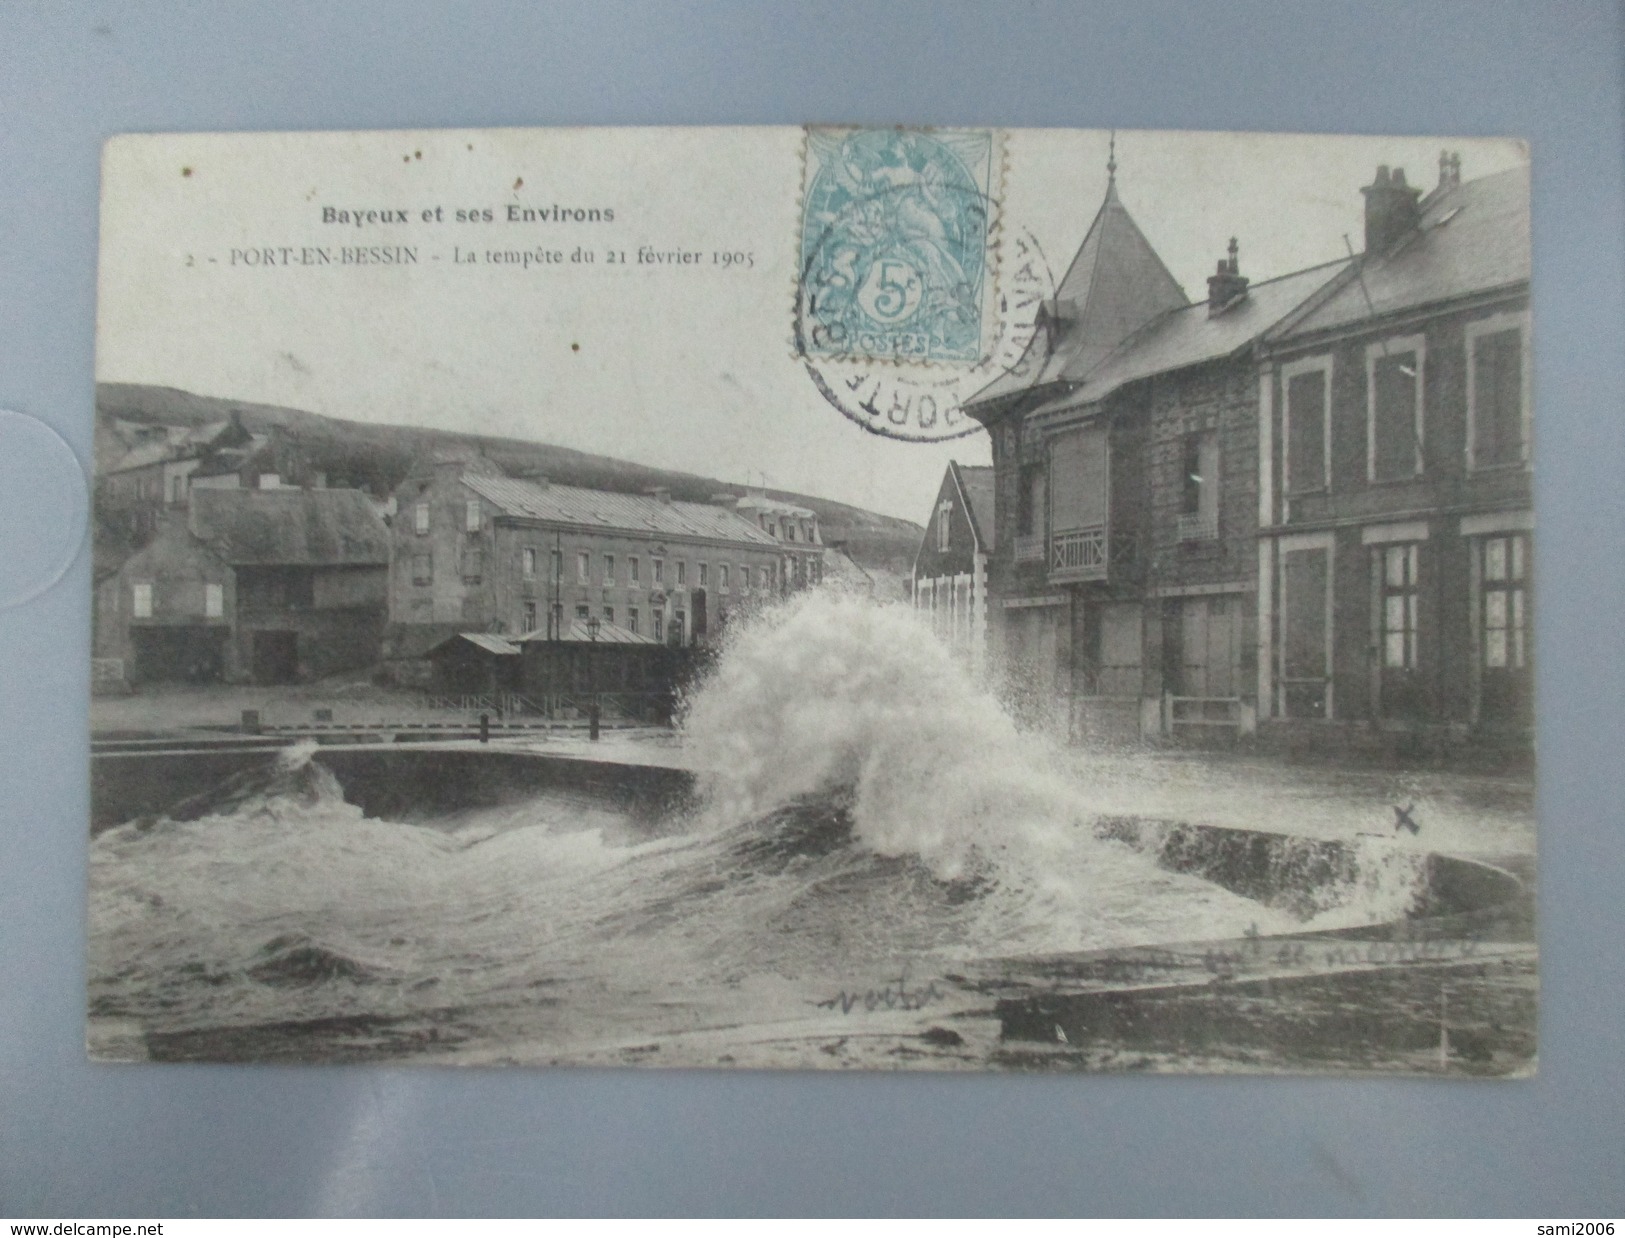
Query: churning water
(869, 814)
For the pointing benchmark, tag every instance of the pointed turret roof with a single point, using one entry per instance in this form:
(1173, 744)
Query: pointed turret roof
(1115, 285)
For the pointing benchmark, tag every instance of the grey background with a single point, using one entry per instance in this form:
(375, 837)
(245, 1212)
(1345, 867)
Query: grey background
(176, 1141)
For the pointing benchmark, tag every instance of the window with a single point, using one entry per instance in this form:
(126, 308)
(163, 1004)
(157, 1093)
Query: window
(556, 620)
(660, 626)
(1505, 602)
(581, 611)
(790, 530)
(529, 562)
(945, 511)
(609, 614)
(632, 619)
(1394, 408)
(1306, 633)
(744, 578)
(1199, 494)
(678, 622)
(471, 516)
(422, 570)
(1079, 481)
(815, 573)
(177, 488)
(705, 575)
(682, 573)
(609, 569)
(1497, 393)
(632, 569)
(558, 565)
(658, 570)
(722, 577)
(420, 518)
(473, 565)
(214, 601)
(583, 567)
(772, 573)
(1396, 616)
(527, 615)
(141, 600)
(1307, 392)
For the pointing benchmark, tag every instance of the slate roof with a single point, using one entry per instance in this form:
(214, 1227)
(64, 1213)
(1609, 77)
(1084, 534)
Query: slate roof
(293, 528)
(1473, 237)
(1115, 284)
(576, 633)
(1191, 335)
(488, 641)
(176, 443)
(760, 503)
(605, 509)
(976, 484)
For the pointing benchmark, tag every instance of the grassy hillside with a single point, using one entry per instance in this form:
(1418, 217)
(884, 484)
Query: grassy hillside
(377, 457)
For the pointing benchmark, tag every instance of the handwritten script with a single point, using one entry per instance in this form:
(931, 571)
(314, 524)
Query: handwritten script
(892, 995)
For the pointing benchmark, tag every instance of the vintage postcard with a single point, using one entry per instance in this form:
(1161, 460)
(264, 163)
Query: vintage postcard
(827, 597)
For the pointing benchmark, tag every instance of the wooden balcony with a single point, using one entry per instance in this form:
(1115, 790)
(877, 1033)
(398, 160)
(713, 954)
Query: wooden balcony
(1078, 554)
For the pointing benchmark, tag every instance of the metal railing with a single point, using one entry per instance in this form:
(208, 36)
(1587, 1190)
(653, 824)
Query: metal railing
(1185, 711)
(1198, 528)
(502, 703)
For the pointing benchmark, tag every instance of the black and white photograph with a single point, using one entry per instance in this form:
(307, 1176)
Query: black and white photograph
(830, 598)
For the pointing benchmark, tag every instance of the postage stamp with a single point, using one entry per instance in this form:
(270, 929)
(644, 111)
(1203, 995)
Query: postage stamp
(897, 230)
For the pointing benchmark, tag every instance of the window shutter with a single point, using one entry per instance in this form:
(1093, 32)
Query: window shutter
(1306, 429)
(1079, 486)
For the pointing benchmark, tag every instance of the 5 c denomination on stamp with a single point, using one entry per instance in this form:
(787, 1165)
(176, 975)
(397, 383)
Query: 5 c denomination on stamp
(912, 293)
(896, 241)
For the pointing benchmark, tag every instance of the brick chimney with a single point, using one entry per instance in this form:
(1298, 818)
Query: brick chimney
(1390, 209)
(1227, 285)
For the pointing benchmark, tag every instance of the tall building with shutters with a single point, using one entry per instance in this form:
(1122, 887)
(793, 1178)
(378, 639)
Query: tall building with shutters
(1396, 525)
(1178, 555)
(475, 550)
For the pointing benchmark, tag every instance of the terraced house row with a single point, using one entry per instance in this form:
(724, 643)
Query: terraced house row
(1300, 507)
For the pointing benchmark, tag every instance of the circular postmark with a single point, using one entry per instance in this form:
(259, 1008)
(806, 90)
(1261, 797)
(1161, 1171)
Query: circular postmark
(912, 294)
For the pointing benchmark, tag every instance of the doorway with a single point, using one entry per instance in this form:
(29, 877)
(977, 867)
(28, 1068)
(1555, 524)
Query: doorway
(275, 657)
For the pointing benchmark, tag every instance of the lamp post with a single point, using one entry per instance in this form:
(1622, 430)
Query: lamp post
(592, 679)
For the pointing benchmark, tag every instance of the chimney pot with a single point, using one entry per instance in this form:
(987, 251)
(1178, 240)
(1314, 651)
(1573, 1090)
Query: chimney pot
(1390, 209)
(1227, 284)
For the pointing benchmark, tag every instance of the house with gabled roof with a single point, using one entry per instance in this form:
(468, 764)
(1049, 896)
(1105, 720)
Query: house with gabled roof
(250, 585)
(949, 580)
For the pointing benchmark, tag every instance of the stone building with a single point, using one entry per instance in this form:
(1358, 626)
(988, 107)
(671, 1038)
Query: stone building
(477, 550)
(249, 585)
(1395, 551)
(1247, 507)
(1125, 561)
(801, 545)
